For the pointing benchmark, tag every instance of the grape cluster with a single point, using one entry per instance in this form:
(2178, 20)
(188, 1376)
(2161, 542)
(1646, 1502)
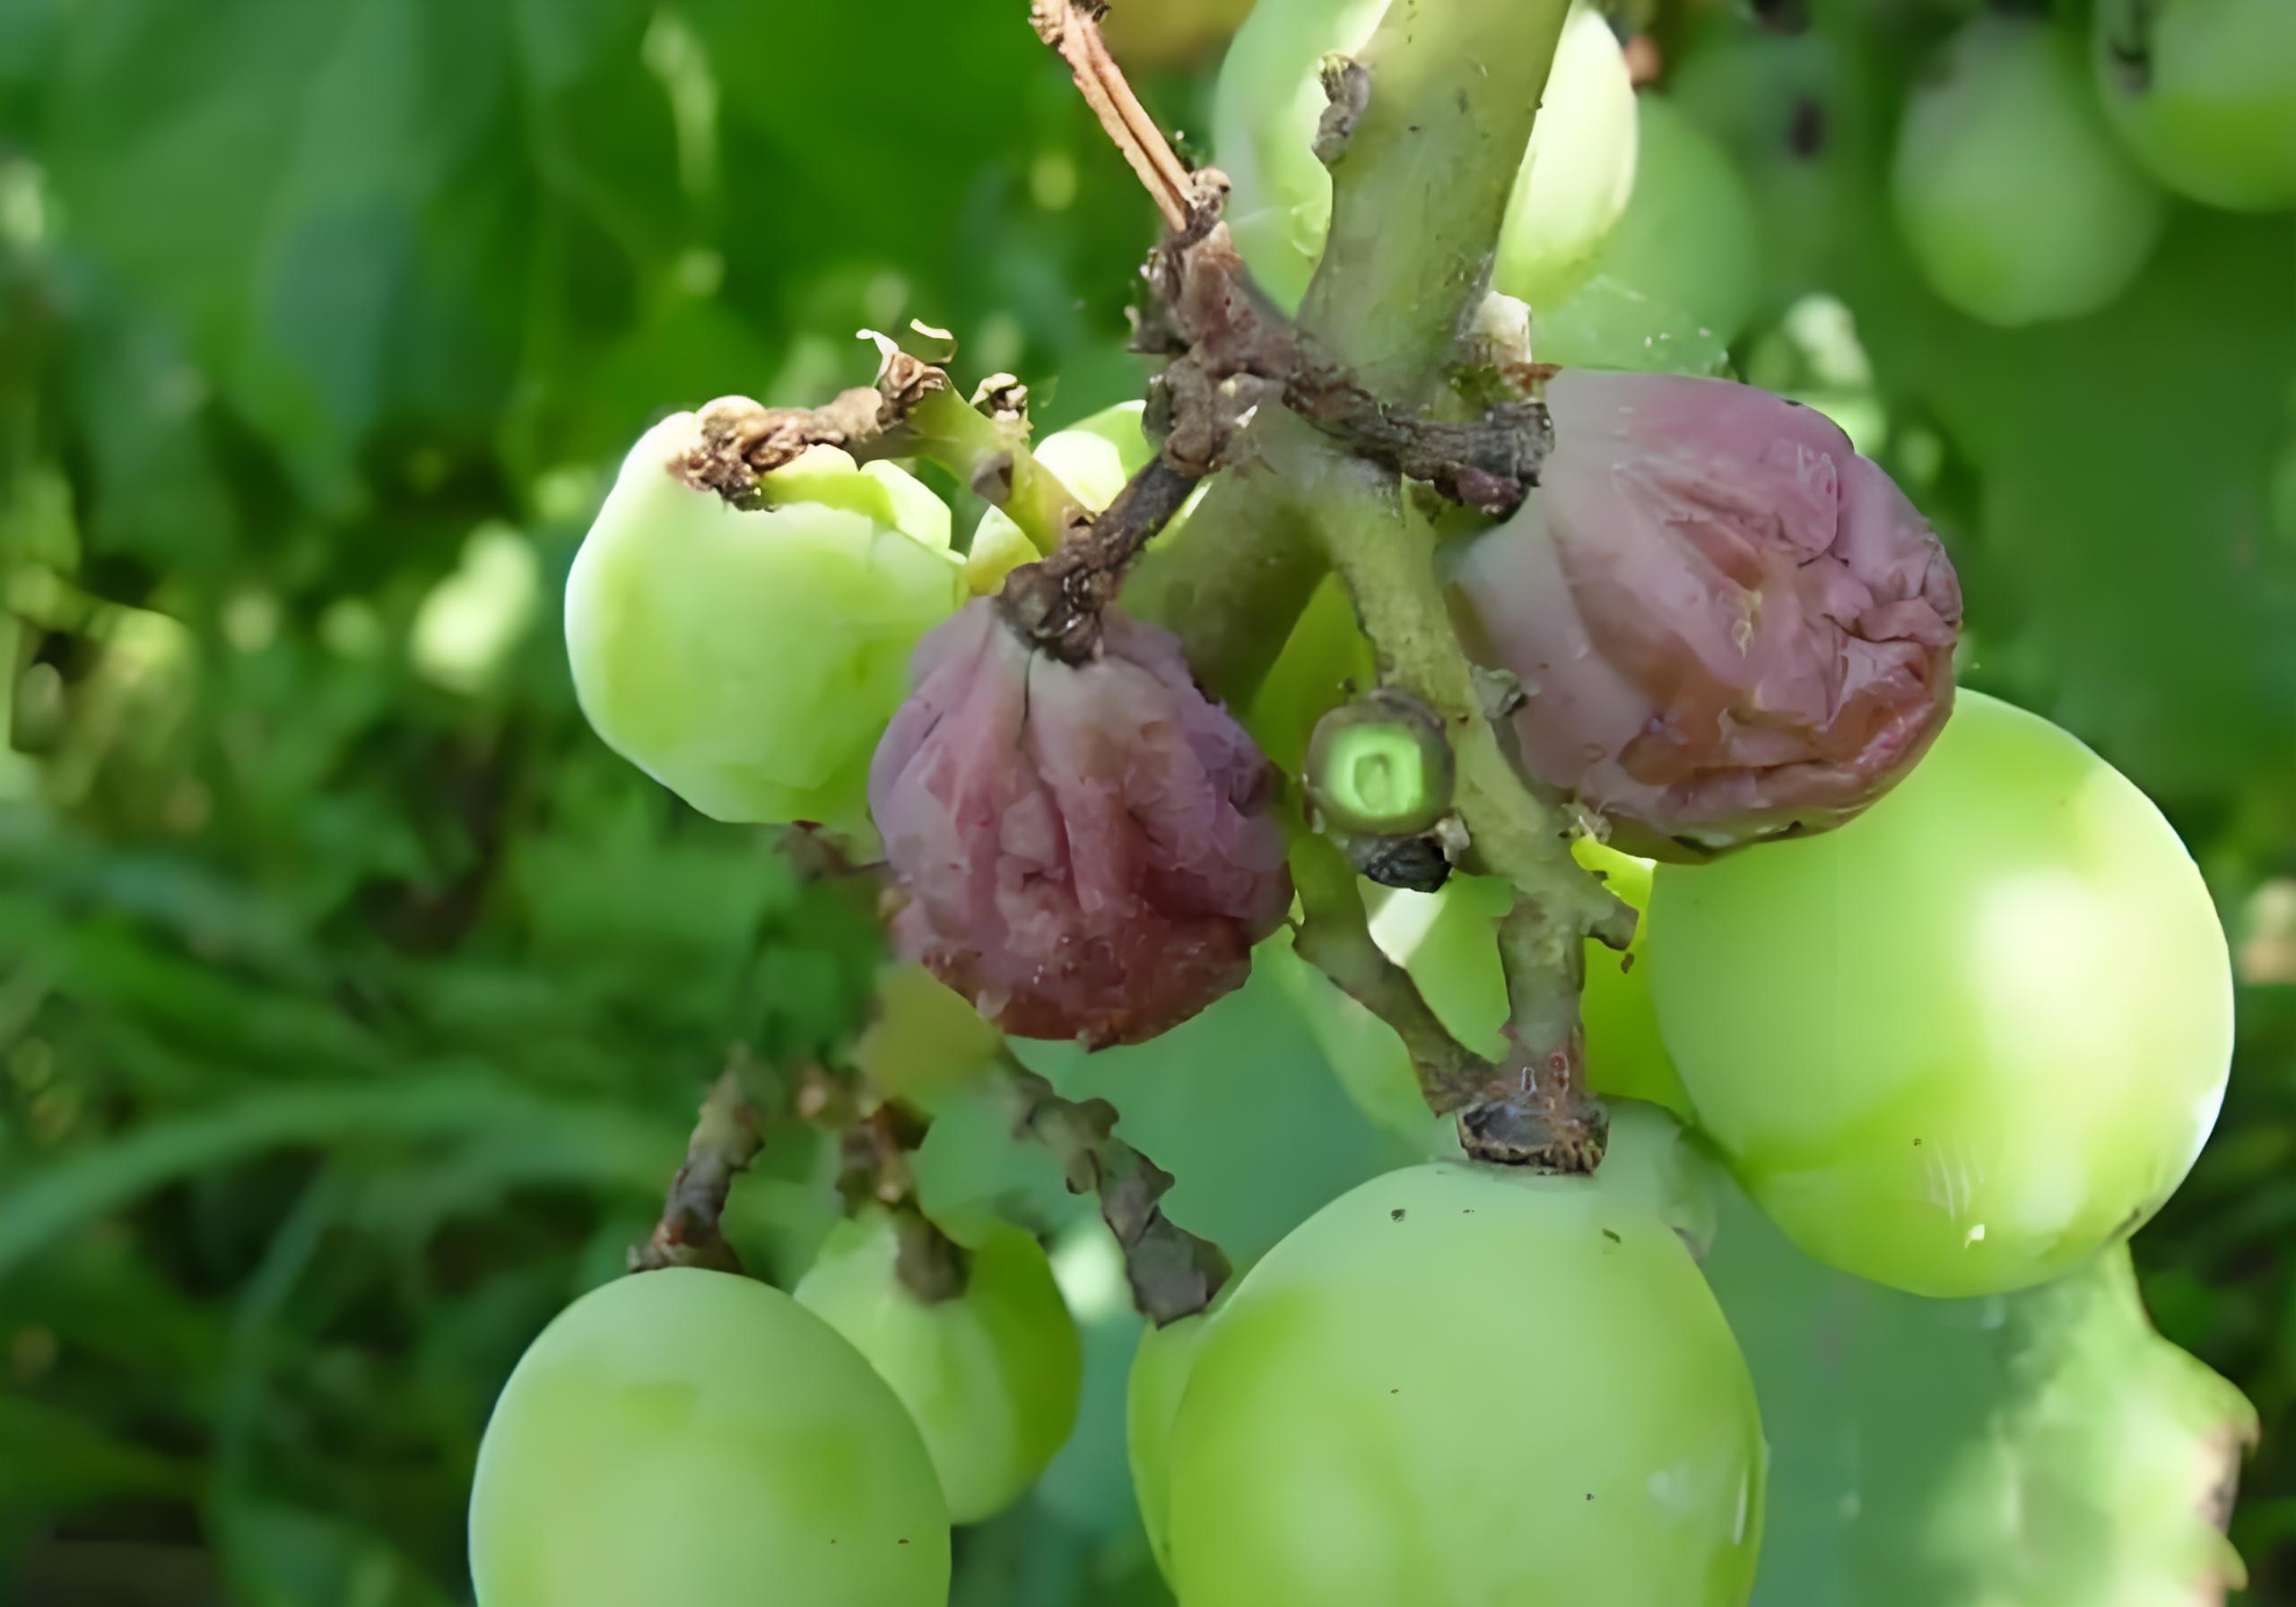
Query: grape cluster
(1926, 977)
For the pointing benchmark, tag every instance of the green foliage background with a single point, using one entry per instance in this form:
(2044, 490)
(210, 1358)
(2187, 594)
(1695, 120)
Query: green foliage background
(354, 1001)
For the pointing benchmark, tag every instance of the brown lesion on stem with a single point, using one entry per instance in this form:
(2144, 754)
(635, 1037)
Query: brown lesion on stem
(912, 411)
(727, 1135)
(875, 1147)
(1173, 1273)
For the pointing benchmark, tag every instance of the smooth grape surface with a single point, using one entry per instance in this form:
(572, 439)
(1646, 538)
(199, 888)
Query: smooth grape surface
(1462, 1386)
(687, 1435)
(1578, 172)
(2016, 201)
(1968, 1038)
(1161, 1369)
(992, 1376)
(2204, 93)
(924, 1045)
(1678, 277)
(748, 660)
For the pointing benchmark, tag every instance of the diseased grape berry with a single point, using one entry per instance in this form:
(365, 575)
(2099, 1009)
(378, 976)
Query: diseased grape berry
(1086, 850)
(1728, 624)
(689, 1436)
(748, 658)
(2204, 94)
(2016, 201)
(1464, 1383)
(1961, 1044)
(1574, 183)
(991, 1375)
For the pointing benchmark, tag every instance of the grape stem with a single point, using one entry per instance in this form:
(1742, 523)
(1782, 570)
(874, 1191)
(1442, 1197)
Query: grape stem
(1335, 936)
(1173, 1273)
(727, 1135)
(913, 410)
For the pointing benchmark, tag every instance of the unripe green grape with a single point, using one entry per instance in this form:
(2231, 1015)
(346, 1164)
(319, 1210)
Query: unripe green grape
(1961, 1044)
(1159, 1374)
(2016, 201)
(1577, 172)
(1449, 941)
(749, 659)
(992, 1376)
(1461, 1385)
(1093, 458)
(1380, 766)
(2204, 94)
(924, 1044)
(1678, 277)
(1327, 661)
(689, 1436)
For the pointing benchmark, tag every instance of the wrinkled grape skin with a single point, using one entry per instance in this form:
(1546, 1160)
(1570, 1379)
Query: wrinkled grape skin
(1728, 624)
(689, 1436)
(1577, 171)
(2016, 201)
(748, 660)
(1087, 851)
(1465, 1386)
(991, 1376)
(1964, 1042)
(2210, 110)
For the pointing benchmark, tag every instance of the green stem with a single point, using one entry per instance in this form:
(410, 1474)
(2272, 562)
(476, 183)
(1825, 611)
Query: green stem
(1334, 936)
(991, 455)
(1422, 185)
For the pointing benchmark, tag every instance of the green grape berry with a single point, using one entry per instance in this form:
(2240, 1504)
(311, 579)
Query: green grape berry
(1963, 1042)
(1093, 458)
(1382, 767)
(748, 658)
(992, 1376)
(1159, 1374)
(1461, 1385)
(688, 1436)
(2204, 94)
(1678, 277)
(1576, 173)
(2016, 201)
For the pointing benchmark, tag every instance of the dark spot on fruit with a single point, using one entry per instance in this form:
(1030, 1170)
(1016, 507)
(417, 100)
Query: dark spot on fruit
(1590, 1495)
(1917, 1143)
(1614, 1237)
(1395, 1215)
(1625, 963)
(900, 1543)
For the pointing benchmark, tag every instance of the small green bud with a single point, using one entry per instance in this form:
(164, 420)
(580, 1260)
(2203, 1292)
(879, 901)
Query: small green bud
(1380, 766)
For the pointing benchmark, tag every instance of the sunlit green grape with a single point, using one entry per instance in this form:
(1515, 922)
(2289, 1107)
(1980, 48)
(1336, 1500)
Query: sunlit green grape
(2016, 201)
(1449, 941)
(688, 1436)
(925, 1044)
(2204, 93)
(1967, 1039)
(1574, 183)
(1459, 1386)
(749, 659)
(1678, 277)
(1159, 1374)
(1093, 458)
(992, 1376)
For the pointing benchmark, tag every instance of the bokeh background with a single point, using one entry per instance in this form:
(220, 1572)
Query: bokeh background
(354, 1001)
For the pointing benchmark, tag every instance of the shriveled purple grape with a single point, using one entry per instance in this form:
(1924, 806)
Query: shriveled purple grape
(1086, 850)
(1726, 623)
